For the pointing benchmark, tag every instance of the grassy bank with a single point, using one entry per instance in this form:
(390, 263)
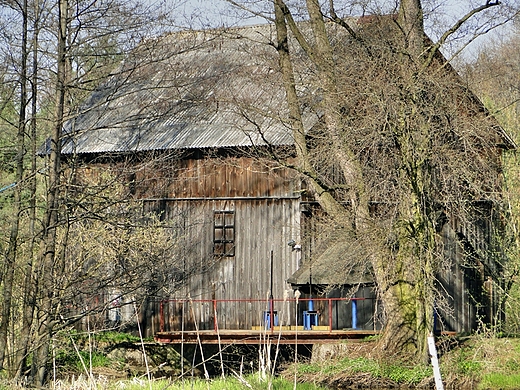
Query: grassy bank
(491, 362)
(466, 363)
(251, 382)
(476, 363)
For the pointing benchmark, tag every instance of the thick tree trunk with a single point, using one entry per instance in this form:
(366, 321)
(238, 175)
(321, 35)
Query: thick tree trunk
(30, 284)
(406, 277)
(11, 255)
(49, 239)
(404, 273)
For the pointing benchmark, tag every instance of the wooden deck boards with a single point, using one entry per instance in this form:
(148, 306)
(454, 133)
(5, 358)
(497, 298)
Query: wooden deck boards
(260, 336)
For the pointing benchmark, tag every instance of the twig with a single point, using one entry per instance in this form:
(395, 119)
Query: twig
(142, 345)
(219, 343)
(206, 375)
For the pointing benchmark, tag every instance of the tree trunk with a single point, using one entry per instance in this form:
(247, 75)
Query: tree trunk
(334, 120)
(11, 255)
(404, 278)
(30, 284)
(326, 200)
(410, 19)
(49, 239)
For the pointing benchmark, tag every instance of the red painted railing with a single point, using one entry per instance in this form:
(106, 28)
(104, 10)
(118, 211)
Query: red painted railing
(269, 317)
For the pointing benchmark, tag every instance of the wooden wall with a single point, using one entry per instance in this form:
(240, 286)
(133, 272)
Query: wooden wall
(218, 177)
(265, 202)
(262, 226)
(470, 275)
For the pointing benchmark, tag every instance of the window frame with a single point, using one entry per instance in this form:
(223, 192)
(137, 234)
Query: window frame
(224, 233)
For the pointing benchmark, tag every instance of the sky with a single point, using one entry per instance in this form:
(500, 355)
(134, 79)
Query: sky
(440, 14)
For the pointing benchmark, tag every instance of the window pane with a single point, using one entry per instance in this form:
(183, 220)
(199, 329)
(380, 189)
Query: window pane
(224, 233)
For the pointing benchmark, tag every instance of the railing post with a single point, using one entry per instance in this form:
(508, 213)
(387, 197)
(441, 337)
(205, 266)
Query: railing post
(330, 315)
(161, 315)
(215, 323)
(354, 313)
(271, 314)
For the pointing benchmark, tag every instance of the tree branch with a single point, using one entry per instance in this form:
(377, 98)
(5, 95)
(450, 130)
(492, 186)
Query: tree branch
(251, 11)
(435, 48)
(296, 31)
(336, 19)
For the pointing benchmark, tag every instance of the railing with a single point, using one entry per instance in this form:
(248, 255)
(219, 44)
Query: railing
(267, 314)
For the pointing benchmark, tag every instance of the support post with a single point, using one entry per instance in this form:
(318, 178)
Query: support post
(215, 323)
(271, 309)
(161, 316)
(435, 363)
(354, 313)
(330, 314)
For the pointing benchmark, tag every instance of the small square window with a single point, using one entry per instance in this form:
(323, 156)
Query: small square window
(224, 233)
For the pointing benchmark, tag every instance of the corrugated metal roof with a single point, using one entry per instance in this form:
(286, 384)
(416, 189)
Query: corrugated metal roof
(215, 89)
(338, 261)
(196, 89)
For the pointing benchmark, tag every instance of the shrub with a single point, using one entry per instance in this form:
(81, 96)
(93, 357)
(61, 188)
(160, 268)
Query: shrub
(72, 360)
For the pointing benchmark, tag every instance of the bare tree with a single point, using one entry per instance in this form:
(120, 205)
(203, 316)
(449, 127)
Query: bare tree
(75, 46)
(11, 253)
(398, 145)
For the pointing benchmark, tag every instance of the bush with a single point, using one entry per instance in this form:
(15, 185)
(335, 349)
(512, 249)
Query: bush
(73, 361)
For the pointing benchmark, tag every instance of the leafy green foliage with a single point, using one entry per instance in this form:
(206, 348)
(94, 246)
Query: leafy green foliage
(77, 361)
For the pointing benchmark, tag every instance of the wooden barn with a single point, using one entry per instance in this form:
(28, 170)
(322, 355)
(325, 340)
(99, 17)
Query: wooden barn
(194, 120)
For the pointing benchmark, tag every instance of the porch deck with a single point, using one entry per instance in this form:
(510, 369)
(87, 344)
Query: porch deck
(336, 321)
(281, 336)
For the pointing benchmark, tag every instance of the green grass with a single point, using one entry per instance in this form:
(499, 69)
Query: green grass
(493, 362)
(117, 337)
(234, 384)
(253, 382)
(371, 338)
(408, 375)
(304, 368)
(103, 337)
(71, 360)
(361, 365)
(500, 381)
(399, 373)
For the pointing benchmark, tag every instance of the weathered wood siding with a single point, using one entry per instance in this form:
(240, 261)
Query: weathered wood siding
(261, 226)
(210, 178)
(470, 275)
(265, 204)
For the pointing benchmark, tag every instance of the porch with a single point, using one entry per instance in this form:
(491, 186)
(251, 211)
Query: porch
(284, 321)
